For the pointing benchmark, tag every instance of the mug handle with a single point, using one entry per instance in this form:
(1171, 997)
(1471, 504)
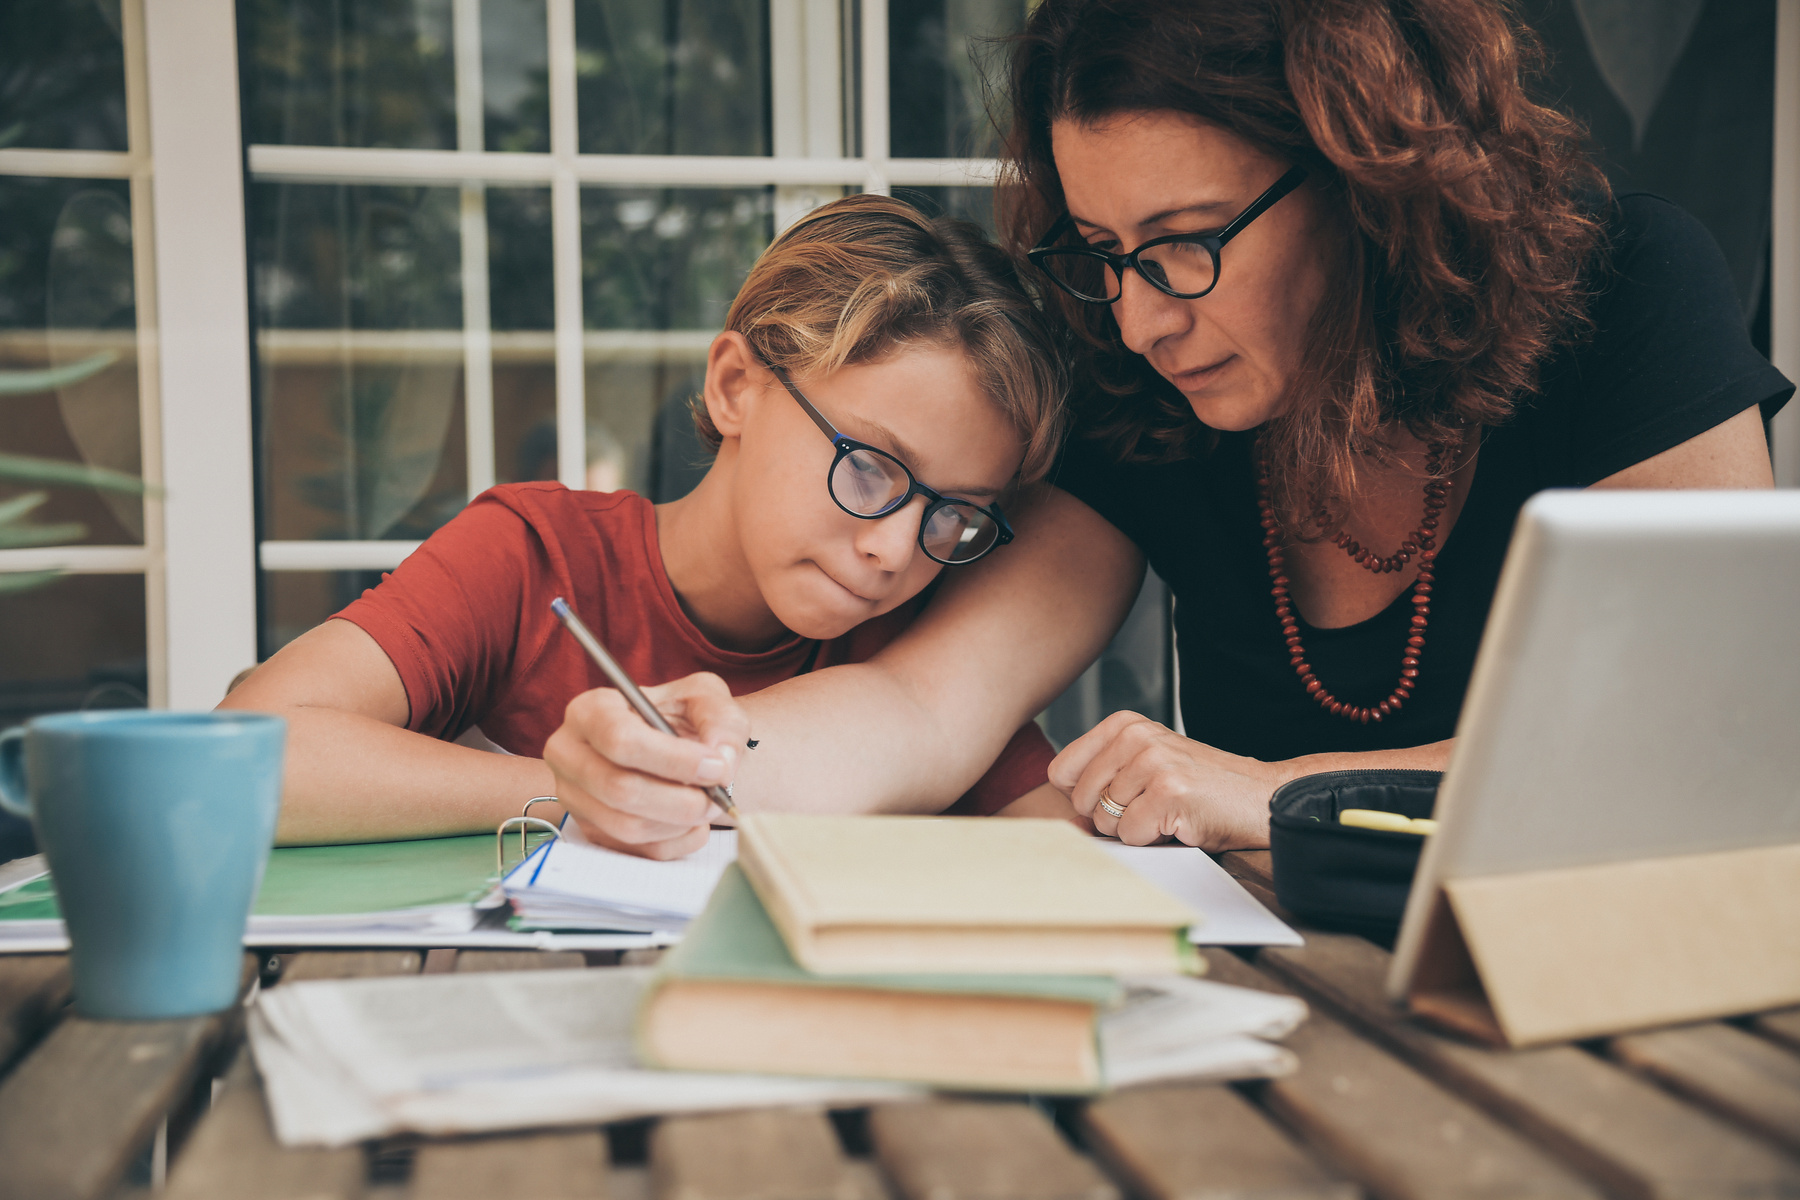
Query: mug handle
(14, 797)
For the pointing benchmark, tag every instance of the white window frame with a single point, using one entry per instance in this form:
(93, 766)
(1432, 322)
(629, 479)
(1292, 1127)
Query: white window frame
(184, 169)
(808, 166)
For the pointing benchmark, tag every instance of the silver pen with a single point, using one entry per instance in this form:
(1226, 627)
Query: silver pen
(622, 681)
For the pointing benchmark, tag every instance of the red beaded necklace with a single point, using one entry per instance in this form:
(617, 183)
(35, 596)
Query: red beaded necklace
(1422, 542)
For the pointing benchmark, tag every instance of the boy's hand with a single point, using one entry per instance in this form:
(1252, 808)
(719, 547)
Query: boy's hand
(640, 791)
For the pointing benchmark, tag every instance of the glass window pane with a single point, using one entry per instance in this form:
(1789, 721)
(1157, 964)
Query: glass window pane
(668, 258)
(521, 294)
(358, 296)
(938, 53)
(62, 76)
(672, 76)
(295, 601)
(515, 75)
(964, 203)
(660, 268)
(524, 408)
(521, 305)
(328, 73)
(68, 346)
(74, 642)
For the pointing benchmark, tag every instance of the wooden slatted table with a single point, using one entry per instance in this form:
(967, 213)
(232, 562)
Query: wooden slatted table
(1379, 1107)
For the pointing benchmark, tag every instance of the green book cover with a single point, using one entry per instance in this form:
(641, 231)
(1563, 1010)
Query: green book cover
(733, 939)
(317, 881)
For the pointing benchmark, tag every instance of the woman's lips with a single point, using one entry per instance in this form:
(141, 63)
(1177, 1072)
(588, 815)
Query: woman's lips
(1200, 377)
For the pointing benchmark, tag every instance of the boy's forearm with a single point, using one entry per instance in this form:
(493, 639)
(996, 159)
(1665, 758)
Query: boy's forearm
(350, 778)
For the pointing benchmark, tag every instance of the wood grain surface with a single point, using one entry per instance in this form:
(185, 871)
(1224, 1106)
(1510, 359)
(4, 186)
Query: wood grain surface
(562, 1165)
(519, 960)
(349, 964)
(34, 990)
(86, 1100)
(764, 1154)
(1250, 866)
(1201, 1142)
(233, 1153)
(1748, 1079)
(1633, 1137)
(968, 1150)
(1401, 1135)
(1783, 1026)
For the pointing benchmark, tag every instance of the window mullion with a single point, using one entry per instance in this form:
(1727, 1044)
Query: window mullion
(874, 106)
(143, 274)
(478, 354)
(565, 242)
(203, 312)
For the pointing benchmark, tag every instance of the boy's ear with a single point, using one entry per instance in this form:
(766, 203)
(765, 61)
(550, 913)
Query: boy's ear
(734, 374)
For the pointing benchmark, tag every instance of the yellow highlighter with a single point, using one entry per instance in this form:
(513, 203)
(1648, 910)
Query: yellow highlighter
(1373, 818)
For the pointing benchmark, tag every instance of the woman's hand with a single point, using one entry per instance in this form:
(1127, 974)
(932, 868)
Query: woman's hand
(1168, 785)
(640, 791)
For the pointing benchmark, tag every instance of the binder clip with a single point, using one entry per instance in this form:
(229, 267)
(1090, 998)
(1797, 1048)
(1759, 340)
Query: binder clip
(525, 823)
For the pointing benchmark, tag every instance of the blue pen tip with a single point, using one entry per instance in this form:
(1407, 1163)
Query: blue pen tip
(560, 607)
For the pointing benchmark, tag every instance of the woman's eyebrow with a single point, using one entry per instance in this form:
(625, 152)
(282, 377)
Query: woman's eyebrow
(1203, 207)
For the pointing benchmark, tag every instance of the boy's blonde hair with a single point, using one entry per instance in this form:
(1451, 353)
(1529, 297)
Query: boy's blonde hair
(859, 278)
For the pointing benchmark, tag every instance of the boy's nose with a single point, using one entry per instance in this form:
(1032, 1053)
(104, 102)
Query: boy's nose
(892, 540)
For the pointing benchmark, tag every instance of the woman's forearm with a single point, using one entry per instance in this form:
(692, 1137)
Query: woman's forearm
(1434, 756)
(913, 728)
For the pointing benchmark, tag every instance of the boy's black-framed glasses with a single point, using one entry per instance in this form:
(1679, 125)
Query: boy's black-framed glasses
(1182, 265)
(868, 482)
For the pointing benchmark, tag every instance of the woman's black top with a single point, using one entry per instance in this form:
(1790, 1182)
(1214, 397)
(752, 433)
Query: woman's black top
(1668, 359)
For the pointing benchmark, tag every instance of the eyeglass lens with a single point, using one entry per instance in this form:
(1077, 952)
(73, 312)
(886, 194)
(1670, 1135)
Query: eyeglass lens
(1185, 267)
(871, 484)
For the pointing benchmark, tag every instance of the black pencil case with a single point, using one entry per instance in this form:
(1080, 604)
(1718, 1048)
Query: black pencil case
(1343, 877)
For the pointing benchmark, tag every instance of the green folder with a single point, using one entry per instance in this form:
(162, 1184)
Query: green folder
(318, 881)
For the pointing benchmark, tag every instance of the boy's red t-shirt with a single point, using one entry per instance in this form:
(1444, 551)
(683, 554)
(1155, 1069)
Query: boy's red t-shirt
(466, 621)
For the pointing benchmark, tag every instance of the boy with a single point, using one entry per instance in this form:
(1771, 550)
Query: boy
(883, 381)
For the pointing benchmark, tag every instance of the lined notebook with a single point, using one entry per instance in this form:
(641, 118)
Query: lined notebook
(872, 894)
(570, 883)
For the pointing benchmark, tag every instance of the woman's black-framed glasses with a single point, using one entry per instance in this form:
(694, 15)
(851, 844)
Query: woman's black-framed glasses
(870, 483)
(1182, 265)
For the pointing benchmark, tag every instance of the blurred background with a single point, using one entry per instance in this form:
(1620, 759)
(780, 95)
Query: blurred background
(490, 240)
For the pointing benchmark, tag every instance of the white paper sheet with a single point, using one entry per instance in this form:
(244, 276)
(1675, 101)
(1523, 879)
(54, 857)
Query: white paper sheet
(344, 1060)
(347, 1060)
(569, 880)
(1232, 916)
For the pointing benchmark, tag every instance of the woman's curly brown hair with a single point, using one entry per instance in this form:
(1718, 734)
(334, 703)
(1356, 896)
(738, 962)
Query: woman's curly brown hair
(1461, 201)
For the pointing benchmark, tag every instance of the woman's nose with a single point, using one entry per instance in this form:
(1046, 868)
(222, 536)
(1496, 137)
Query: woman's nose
(1145, 315)
(892, 540)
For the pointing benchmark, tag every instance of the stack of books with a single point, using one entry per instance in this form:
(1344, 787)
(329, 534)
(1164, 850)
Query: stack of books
(959, 953)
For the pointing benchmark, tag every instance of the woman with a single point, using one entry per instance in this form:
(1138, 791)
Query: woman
(1340, 297)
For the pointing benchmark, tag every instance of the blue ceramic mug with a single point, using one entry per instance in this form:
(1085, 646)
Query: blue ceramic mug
(157, 826)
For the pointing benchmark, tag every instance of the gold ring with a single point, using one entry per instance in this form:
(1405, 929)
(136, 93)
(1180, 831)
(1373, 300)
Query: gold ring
(1115, 810)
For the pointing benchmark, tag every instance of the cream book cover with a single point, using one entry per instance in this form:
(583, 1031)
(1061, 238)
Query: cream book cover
(960, 894)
